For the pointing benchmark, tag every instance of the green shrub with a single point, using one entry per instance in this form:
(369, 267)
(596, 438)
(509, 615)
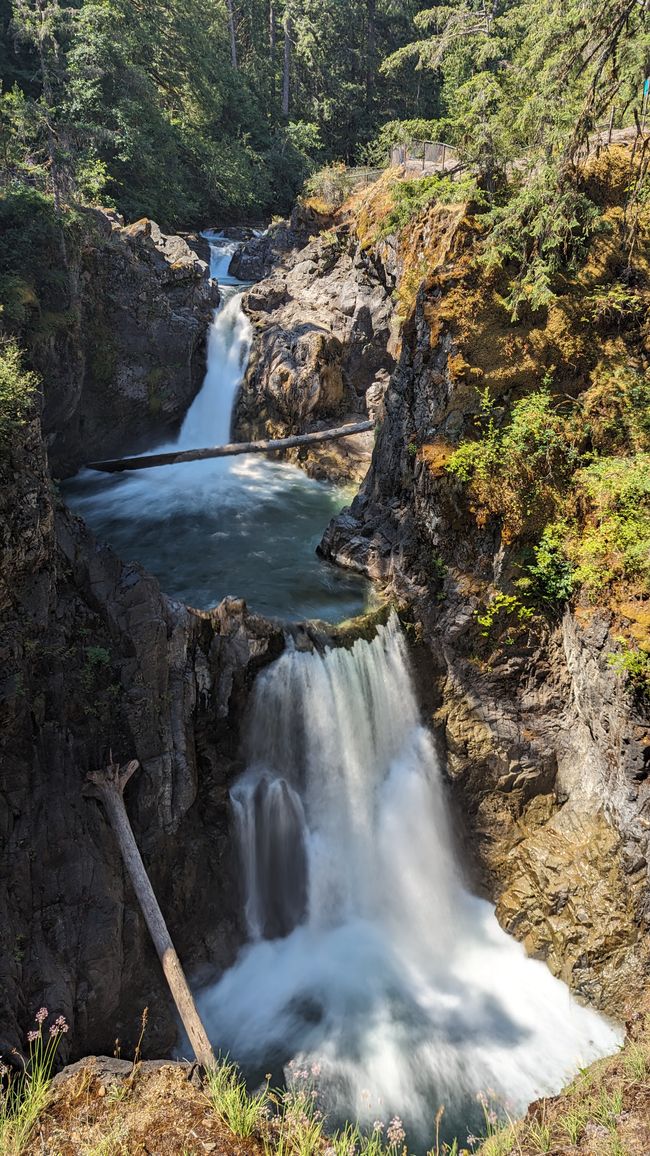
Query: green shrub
(518, 471)
(17, 389)
(614, 544)
(550, 577)
(631, 662)
(410, 198)
(503, 611)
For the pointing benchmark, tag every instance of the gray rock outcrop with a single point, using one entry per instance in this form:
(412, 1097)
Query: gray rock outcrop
(324, 337)
(130, 358)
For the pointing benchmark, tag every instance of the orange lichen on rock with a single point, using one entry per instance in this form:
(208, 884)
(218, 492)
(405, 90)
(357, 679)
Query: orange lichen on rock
(436, 454)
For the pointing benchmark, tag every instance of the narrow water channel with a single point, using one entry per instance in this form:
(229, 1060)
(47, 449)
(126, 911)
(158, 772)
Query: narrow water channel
(242, 526)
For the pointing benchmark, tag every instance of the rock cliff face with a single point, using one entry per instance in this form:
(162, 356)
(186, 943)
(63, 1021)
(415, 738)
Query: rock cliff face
(95, 659)
(547, 751)
(324, 345)
(131, 356)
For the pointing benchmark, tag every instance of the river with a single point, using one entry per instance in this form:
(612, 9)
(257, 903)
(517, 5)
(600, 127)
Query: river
(370, 970)
(244, 526)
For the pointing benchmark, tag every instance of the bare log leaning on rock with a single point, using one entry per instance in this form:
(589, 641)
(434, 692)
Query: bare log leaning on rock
(148, 461)
(108, 786)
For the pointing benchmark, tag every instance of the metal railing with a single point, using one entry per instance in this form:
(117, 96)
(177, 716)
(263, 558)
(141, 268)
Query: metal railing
(433, 154)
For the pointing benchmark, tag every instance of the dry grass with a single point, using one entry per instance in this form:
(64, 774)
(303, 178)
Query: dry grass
(158, 1111)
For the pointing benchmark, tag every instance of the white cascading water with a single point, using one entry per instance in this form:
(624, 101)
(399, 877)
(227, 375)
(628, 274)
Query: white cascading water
(210, 414)
(240, 525)
(370, 963)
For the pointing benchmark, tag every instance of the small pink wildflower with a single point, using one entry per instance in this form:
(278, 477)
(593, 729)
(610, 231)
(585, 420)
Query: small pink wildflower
(41, 1015)
(395, 1133)
(378, 1126)
(32, 1036)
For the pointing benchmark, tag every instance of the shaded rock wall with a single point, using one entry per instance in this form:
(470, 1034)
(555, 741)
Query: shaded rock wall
(131, 357)
(95, 658)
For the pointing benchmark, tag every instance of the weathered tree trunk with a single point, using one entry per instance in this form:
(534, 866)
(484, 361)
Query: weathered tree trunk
(272, 48)
(286, 74)
(148, 461)
(371, 13)
(108, 786)
(231, 30)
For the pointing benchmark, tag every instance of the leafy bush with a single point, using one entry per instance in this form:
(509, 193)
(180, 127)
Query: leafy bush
(412, 197)
(518, 471)
(504, 610)
(614, 545)
(633, 663)
(17, 389)
(550, 577)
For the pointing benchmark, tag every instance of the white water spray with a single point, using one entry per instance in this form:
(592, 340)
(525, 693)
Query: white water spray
(370, 963)
(208, 420)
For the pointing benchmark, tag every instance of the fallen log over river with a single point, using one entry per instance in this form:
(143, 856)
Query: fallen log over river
(149, 461)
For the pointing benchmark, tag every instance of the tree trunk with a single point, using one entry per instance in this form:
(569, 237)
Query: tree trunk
(148, 461)
(371, 11)
(108, 785)
(286, 74)
(231, 30)
(272, 48)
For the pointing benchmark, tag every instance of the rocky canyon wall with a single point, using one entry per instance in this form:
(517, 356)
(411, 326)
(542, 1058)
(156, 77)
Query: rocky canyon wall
(97, 660)
(547, 748)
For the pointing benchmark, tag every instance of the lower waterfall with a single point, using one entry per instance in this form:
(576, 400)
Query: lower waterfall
(370, 965)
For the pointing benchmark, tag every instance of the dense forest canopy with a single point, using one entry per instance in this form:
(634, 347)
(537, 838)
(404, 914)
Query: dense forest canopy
(195, 112)
(201, 112)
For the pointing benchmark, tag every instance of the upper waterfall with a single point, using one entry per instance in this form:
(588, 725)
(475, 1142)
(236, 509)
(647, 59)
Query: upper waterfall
(369, 961)
(243, 526)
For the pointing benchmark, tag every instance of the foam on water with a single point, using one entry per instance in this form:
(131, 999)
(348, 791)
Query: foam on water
(369, 961)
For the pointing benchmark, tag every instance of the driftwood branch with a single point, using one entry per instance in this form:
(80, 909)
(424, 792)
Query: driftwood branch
(108, 786)
(149, 461)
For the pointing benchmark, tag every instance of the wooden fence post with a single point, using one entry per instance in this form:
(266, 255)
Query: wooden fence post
(108, 786)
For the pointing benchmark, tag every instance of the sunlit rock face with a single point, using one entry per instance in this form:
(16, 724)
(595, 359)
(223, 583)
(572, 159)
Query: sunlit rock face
(325, 337)
(547, 749)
